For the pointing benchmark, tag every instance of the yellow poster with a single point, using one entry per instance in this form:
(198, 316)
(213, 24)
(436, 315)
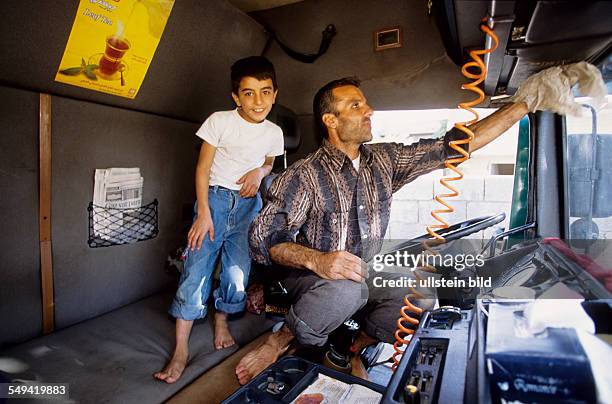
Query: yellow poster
(112, 43)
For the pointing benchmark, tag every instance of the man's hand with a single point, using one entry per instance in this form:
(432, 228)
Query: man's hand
(551, 89)
(250, 182)
(202, 225)
(337, 265)
(327, 265)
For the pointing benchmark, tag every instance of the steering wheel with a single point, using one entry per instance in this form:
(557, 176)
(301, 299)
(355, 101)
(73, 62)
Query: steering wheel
(453, 232)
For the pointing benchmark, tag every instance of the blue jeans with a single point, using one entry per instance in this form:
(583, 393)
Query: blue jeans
(231, 216)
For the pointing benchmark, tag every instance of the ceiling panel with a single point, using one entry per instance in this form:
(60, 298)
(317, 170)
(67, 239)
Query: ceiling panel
(256, 5)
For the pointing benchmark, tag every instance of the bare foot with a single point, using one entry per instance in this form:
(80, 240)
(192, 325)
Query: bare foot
(263, 356)
(357, 367)
(174, 369)
(223, 337)
(256, 361)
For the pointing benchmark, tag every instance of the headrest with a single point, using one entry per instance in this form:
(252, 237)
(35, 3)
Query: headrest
(287, 120)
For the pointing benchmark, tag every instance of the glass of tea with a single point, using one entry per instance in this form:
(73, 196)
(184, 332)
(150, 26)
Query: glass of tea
(110, 61)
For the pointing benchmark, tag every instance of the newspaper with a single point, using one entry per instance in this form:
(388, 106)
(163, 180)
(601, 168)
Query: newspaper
(335, 392)
(118, 188)
(116, 192)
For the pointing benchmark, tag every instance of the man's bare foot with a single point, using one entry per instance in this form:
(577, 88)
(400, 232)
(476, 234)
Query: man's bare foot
(357, 367)
(223, 337)
(256, 361)
(174, 369)
(264, 355)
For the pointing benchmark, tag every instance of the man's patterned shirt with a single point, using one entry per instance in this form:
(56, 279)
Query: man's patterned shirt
(322, 202)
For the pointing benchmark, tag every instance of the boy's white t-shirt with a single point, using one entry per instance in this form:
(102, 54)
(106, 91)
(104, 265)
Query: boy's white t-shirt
(241, 145)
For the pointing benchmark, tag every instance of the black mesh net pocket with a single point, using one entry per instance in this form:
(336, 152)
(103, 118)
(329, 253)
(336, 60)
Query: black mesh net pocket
(110, 226)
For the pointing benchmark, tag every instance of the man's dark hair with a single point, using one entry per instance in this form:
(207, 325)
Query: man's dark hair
(323, 102)
(253, 66)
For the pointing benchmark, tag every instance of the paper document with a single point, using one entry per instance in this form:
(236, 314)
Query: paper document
(333, 391)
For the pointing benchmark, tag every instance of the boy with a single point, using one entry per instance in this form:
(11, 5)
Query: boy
(238, 151)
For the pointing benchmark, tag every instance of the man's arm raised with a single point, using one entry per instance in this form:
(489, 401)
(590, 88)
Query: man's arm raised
(327, 265)
(491, 127)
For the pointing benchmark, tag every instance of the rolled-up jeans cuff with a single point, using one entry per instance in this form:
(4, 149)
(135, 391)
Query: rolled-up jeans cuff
(187, 312)
(229, 308)
(302, 331)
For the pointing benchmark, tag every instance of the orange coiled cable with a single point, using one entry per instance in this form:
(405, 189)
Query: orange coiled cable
(406, 325)
(452, 163)
(404, 329)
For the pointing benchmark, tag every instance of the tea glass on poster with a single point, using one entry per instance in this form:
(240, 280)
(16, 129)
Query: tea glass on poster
(110, 62)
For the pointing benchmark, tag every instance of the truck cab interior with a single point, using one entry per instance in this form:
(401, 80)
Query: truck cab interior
(93, 316)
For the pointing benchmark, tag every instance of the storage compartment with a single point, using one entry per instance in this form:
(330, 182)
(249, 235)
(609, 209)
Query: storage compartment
(109, 226)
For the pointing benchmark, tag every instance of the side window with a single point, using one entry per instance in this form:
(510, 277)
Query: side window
(589, 172)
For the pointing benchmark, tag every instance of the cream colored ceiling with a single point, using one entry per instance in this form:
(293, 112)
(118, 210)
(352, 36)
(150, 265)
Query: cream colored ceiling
(255, 5)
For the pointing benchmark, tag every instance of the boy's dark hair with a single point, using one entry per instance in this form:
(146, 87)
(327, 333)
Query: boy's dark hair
(323, 102)
(253, 66)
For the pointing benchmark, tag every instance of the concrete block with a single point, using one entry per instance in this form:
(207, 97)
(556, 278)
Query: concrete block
(477, 209)
(498, 188)
(470, 189)
(425, 209)
(405, 211)
(420, 189)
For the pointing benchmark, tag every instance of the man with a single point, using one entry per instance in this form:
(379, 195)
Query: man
(329, 211)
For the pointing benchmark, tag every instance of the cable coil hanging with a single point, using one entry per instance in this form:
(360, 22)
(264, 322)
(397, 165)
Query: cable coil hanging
(407, 324)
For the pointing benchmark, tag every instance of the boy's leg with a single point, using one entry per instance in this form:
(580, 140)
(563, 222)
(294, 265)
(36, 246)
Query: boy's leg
(174, 369)
(230, 298)
(189, 304)
(223, 336)
(190, 300)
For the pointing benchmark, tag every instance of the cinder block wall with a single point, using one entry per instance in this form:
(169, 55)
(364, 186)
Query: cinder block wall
(480, 195)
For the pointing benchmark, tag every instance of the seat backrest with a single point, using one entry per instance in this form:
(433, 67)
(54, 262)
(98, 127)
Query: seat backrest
(287, 120)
